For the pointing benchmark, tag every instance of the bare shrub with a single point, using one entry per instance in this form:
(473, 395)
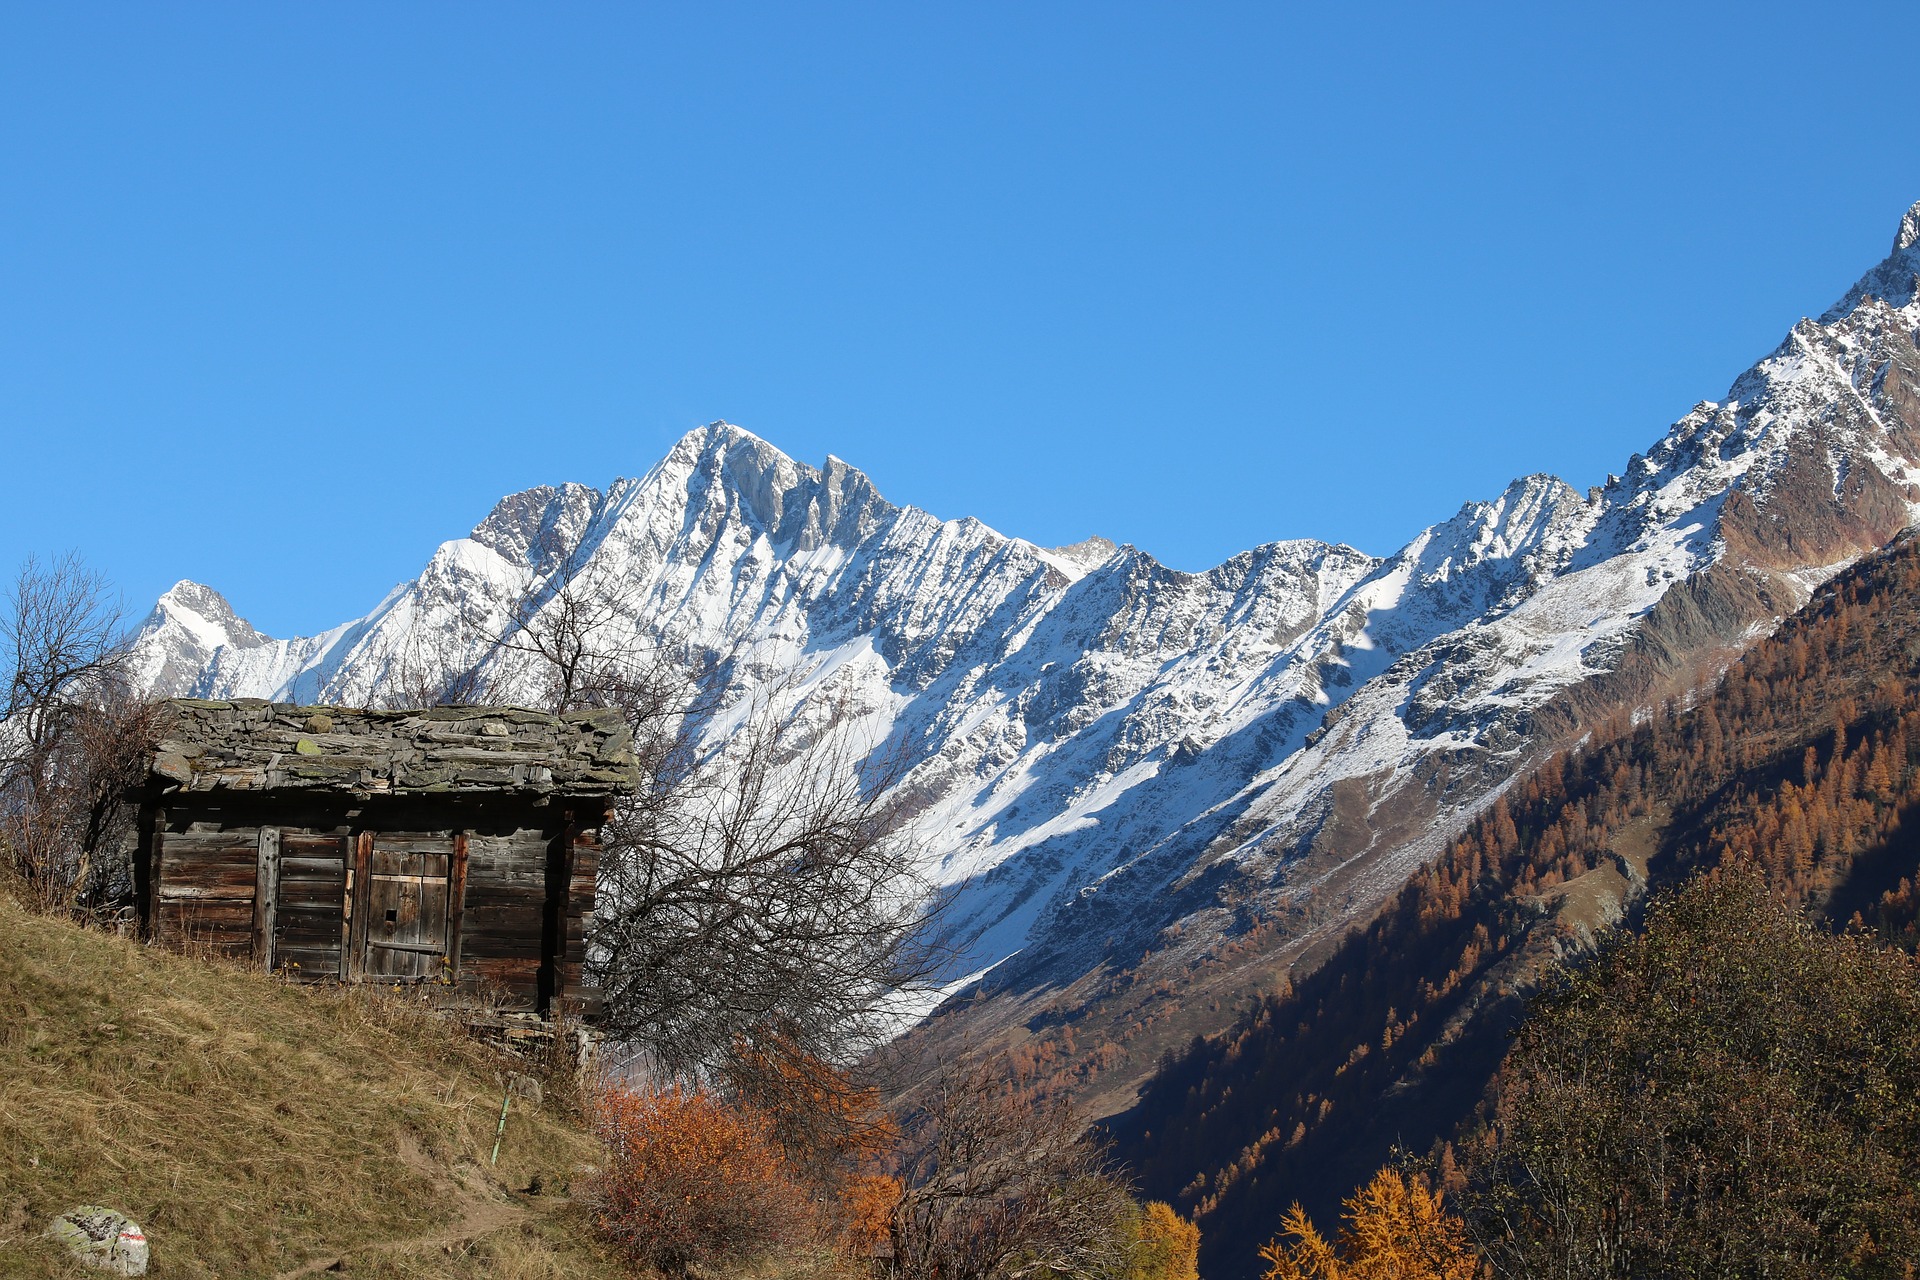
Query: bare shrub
(73, 737)
(759, 911)
(439, 667)
(1000, 1187)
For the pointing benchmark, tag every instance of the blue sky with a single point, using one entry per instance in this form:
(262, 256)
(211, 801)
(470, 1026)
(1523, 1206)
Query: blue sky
(289, 294)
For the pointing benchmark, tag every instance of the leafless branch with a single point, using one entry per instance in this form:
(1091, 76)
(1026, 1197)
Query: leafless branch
(760, 911)
(73, 738)
(1000, 1187)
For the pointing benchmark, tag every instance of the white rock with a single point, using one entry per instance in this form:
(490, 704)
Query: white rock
(103, 1238)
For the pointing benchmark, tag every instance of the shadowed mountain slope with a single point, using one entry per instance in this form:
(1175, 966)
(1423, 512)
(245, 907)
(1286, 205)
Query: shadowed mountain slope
(1804, 759)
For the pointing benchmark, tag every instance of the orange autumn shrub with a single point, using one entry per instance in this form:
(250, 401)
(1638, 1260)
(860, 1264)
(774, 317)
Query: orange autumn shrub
(828, 1124)
(692, 1179)
(839, 1140)
(866, 1205)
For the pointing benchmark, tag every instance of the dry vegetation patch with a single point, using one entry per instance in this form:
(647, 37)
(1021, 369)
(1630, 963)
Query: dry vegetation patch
(254, 1127)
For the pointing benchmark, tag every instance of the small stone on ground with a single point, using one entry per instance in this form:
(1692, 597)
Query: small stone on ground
(102, 1238)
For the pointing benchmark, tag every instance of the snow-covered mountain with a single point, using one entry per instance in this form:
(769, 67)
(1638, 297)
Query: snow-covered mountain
(1117, 765)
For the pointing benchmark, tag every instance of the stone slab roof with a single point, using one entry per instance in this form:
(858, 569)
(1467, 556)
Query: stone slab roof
(250, 745)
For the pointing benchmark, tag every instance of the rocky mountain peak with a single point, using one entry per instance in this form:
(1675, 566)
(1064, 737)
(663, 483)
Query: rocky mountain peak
(537, 527)
(190, 624)
(199, 607)
(1909, 233)
(1087, 554)
(727, 468)
(1895, 281)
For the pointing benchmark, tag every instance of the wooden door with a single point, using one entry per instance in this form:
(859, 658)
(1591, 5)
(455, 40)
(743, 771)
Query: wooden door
(404, 935)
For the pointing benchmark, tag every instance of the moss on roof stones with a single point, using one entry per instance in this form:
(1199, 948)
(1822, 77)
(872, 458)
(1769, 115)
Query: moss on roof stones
(252, 745)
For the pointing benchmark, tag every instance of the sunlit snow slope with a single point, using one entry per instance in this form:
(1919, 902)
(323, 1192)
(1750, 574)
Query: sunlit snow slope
(1118, 764)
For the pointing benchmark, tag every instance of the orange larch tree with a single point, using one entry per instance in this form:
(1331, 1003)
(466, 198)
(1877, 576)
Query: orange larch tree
(1396, 1230)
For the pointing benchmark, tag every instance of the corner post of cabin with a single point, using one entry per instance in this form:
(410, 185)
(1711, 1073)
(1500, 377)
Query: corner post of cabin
(557, 827)
(348, 844)
(161, 929)
(145, 861)
(565, 977)
(583, 870)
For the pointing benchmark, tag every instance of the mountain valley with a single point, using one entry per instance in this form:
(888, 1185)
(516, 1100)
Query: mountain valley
(1156, 798)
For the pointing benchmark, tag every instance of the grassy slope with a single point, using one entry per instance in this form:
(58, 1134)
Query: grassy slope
(256, 1129)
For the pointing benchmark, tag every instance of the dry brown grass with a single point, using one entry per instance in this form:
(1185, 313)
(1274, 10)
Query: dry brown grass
(256, 1128)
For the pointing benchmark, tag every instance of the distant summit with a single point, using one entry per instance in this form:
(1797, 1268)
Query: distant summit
(1895, 281)
(1909, 233)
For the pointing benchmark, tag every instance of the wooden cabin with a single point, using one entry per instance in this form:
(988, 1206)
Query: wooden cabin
(455, 846)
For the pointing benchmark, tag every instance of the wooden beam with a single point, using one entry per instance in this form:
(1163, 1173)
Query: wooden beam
(560, 908)
(266, 895)
(156, 921)
(347, 844)
(357, 903)
(457, 904)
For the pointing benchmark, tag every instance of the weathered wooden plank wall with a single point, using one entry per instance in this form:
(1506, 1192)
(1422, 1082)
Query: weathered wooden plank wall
(205, 885)
(509, 911)
(503, 918)
(313, 885)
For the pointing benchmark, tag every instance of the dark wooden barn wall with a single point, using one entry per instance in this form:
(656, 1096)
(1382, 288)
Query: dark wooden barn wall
(204, 889)
(308, 921)
(518, 897)
(504, 924)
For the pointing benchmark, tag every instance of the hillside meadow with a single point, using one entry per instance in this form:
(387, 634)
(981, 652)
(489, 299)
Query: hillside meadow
(257, 1128)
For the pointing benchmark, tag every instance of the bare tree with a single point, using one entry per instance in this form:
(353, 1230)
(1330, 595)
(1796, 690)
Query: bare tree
(570, 637)
(73, 737)
(1001, 1187)
(760, 911)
